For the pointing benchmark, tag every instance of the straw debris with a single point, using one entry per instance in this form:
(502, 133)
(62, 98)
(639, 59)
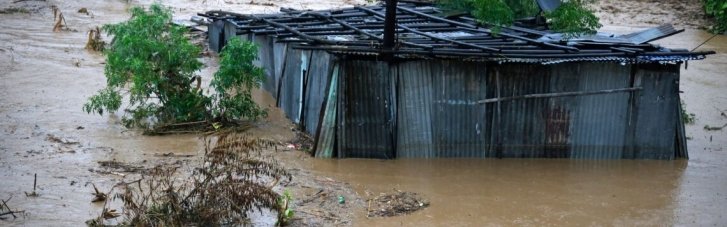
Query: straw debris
(234, 179)
(395, 204)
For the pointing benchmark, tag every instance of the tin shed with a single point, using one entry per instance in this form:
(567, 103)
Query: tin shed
(452, 88)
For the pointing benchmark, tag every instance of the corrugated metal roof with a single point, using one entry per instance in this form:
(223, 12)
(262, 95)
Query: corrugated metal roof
(422, 33)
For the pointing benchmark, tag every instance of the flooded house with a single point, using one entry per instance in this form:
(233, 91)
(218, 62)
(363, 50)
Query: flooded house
(423, 85)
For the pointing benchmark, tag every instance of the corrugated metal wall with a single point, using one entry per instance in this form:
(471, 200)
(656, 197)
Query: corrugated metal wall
(656, 123)
(437, 114)
(458, 121)
(414, 129)
(215, 35)
(366, 106)
(279, 56)
(429, 108)
(266, 58)
(316, 88)
(599, 122)
(290, 94)
(519, 125)
(326, 132)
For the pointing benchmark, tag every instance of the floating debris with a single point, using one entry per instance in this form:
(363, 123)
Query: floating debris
(395, 204)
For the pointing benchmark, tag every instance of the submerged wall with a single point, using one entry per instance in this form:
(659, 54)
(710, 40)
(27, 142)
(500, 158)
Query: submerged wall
(433, 108)
(361, 107)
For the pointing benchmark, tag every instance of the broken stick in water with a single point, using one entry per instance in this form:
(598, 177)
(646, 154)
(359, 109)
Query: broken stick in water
(35, 181)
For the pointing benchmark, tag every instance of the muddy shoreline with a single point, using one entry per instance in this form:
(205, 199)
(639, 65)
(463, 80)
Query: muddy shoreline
(47, 76)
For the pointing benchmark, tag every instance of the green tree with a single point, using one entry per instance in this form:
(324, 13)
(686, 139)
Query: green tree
(151, 61)
(572, 18)
(235, 80)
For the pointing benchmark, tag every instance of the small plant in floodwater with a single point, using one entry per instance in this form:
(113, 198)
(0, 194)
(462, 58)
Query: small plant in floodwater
(233, 180)
(687, 117)
(286, 213)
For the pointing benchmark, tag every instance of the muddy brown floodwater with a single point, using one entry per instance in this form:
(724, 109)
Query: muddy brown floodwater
(46, 77)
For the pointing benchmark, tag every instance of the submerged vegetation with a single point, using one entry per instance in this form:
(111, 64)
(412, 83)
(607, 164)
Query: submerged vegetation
(572, 18)
(687, 118)
(234, 179)
(151, 61)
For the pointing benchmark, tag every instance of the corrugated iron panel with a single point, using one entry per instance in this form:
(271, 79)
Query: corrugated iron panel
(681, 139)
(520, 125)
(290, 94)
(367, 110)
(215, 35)
(458, 121)
(265, 60)
(327, 133)
(655, 131)
(279, 55)
(315, 90)
(414, 123)
(651, 34)
(598, 123)
(230, 31)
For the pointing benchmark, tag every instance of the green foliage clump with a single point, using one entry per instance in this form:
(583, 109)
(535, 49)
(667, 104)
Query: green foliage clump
(573, 18)
(235, 80)
(718, 10)
(152, 61)
(687, 117)
(494, 12)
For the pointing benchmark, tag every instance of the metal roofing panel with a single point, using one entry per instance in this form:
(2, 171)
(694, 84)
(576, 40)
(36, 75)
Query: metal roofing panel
(548, 5)
(423, 32)
(651, 34)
